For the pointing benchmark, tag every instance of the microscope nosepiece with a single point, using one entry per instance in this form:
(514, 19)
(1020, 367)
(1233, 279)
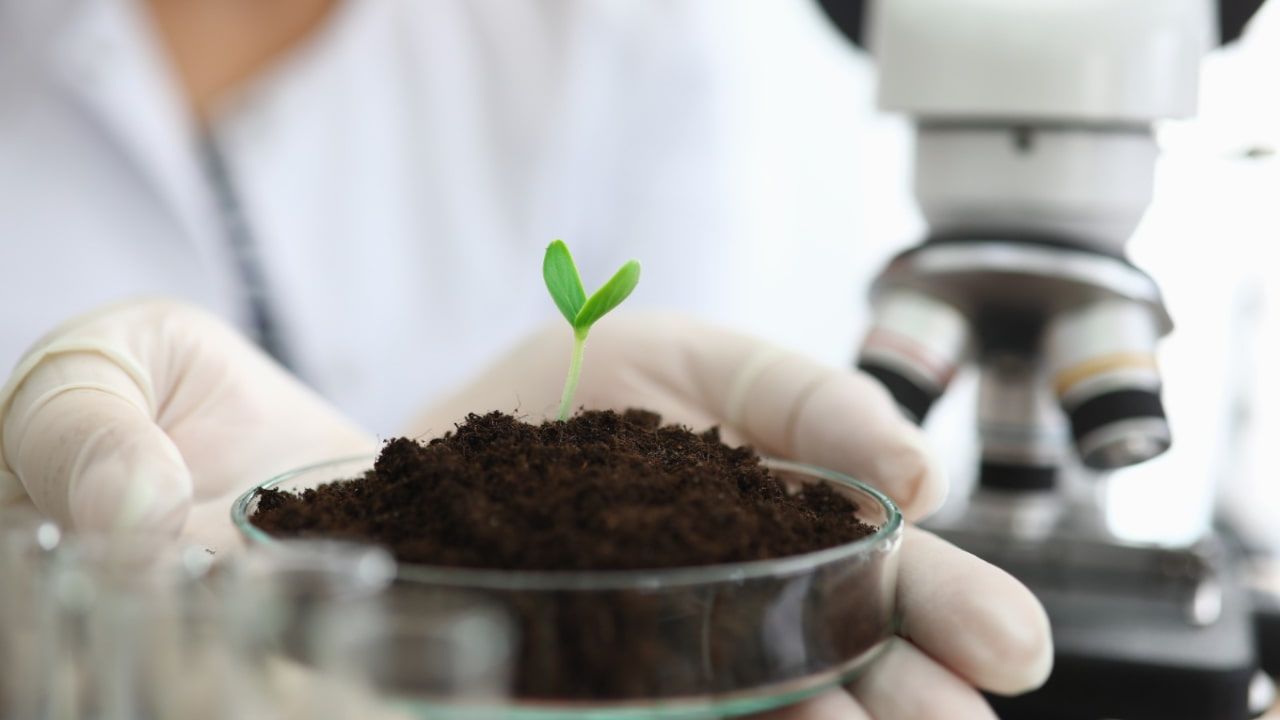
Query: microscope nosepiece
(1106, 378)
(913, 348)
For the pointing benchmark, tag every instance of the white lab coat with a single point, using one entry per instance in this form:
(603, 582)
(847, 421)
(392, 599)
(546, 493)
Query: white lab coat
(402, 172)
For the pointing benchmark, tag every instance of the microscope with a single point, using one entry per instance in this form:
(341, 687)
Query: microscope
(1034, 162)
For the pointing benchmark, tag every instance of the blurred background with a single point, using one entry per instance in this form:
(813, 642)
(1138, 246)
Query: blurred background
(342, 204)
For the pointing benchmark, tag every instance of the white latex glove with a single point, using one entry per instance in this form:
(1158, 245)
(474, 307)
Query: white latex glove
(154, 415)
(965, 624)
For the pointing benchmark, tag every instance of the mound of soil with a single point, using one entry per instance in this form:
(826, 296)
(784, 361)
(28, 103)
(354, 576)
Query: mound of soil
(602, 491)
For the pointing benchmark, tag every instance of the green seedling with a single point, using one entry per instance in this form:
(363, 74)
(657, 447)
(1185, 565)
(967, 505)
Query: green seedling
(561, 275)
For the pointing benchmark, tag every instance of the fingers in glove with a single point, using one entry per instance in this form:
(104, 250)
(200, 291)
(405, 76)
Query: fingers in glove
(906, 684)
(874, 443)
(834, 705)
(971, 616)
(88, 453)
(793, 406)
(131, 416)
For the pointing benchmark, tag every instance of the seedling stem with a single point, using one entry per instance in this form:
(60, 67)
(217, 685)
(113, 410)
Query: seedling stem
(561, 276)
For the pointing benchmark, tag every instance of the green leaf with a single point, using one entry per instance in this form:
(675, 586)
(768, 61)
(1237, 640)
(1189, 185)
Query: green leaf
(561, 276)
(608, 296)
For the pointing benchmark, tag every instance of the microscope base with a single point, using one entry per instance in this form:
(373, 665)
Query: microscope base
(1128, 655)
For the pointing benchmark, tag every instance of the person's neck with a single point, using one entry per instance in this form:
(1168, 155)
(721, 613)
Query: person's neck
(216, 46)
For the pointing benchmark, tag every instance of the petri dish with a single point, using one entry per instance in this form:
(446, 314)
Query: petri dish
(681, 643)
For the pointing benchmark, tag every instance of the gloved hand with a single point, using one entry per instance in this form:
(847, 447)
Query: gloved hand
(965, 623)
(154, 415)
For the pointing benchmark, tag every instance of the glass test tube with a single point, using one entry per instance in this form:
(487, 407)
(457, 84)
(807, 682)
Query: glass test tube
(27, 622)
(434, 654)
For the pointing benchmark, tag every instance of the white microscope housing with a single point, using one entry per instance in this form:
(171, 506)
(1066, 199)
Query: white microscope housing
(1086, 77)
(1034, 163)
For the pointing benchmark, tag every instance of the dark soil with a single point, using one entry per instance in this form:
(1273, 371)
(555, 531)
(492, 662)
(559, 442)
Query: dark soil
(601, 491)
(605, 491)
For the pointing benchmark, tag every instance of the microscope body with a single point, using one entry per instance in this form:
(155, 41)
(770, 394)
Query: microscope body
(1034, 163)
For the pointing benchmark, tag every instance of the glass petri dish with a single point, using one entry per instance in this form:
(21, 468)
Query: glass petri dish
(698, 642)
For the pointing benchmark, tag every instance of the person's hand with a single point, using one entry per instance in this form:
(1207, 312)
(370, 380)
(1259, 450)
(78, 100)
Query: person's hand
(152, 415)
(965, 624)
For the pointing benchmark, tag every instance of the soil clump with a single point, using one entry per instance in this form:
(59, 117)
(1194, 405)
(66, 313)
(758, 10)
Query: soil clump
(601, 491)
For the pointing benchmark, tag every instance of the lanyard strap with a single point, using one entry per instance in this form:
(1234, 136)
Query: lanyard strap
(244, 252)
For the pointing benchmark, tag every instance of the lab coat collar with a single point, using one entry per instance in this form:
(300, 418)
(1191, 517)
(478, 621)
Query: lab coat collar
(110, 61)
